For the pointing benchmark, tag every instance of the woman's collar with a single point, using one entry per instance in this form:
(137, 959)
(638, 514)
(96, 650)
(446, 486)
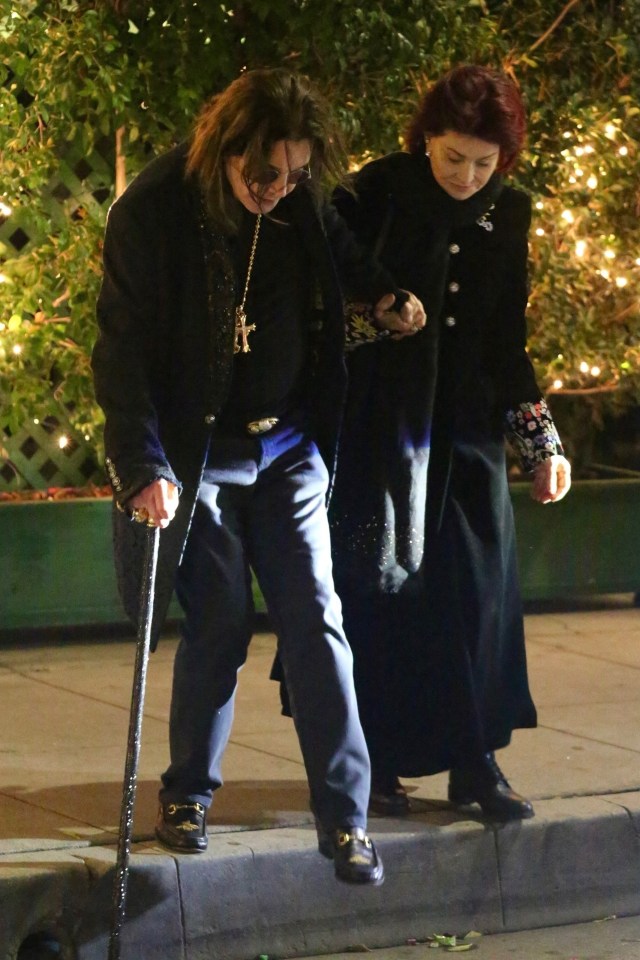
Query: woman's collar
(459, 212)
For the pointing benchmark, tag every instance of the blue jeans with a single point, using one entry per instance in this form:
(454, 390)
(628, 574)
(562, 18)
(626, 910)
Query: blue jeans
(262, 505)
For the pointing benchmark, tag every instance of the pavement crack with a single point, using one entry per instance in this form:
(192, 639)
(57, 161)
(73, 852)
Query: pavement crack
(499, 873)
(583, 736)
(583, 655)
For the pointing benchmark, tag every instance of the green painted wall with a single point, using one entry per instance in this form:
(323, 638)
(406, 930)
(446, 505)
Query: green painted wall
(56, 563)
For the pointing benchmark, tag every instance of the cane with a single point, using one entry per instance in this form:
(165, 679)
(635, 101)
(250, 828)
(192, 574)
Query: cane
(133, 741)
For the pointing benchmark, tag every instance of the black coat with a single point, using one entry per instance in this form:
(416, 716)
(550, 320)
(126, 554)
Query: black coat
(163, 359)
(422, 525)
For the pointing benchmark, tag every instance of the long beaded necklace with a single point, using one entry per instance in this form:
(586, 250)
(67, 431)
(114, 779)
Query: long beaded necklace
(242, 328)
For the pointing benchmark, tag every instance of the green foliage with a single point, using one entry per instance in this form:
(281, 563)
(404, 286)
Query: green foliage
(74, 73)
(584, 304)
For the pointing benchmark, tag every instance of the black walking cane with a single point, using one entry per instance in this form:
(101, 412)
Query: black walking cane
(133, 741)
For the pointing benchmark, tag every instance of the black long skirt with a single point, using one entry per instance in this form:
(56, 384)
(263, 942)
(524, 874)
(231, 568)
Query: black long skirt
(440, 665)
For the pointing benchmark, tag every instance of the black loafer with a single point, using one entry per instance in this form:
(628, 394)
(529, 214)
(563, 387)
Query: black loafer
(182, 827)
(355, 858)
(388, 797)
(484, 783)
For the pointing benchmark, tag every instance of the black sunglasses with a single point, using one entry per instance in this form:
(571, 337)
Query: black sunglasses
(266, 177)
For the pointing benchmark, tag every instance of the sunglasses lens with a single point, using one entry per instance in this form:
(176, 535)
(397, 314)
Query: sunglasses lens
(298, 176)
(266, 177)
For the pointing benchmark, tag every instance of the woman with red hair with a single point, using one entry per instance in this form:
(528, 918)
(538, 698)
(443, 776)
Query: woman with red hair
(423, 531)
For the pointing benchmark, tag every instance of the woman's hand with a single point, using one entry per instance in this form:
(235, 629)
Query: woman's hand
(156, 504)
(403, 323)
(551, 479)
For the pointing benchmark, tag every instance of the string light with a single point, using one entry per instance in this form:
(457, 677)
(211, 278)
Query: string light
(589, 237)
(17, 349)
(5, 209)
(63, 442)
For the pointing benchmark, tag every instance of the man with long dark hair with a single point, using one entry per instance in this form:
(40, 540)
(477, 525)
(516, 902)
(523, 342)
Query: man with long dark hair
(219, 367)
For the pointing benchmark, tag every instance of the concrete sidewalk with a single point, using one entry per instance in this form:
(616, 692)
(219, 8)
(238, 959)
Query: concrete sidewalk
(262, 887)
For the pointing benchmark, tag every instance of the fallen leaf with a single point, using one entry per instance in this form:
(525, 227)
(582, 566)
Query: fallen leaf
(445, 939)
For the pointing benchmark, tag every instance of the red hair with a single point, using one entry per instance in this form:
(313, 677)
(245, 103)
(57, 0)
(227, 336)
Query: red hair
(477, 102)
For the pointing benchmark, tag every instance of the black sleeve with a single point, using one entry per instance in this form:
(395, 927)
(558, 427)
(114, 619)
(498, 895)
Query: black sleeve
(516, 374)
(361, 276)
(127, 351)
(363, 202)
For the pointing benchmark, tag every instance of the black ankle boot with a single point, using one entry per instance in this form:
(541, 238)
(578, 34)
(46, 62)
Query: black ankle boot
(388, 797)
(484, 783)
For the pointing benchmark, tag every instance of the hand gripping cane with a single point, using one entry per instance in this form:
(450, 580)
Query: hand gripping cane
(133, 741)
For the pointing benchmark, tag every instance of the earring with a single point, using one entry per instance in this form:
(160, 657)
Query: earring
(426, 147)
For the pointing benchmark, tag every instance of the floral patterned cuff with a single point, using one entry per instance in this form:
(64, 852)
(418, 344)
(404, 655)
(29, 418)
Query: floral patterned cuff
(360, 325)
(533, 434)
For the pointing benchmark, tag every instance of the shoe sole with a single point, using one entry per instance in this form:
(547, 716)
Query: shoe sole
(364, 882)
(489, 815)
(178, 849)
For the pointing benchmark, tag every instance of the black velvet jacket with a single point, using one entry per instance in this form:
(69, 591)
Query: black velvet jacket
(456, 381)
(162, 362)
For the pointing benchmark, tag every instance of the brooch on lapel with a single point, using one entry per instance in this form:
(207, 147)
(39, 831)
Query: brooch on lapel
(485, 220)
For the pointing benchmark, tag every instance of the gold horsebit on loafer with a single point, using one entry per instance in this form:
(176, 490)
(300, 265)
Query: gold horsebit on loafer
(187, 825)
(345, 838)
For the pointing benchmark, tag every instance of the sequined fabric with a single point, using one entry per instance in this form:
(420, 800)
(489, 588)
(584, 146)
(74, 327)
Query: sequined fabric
(533, 433)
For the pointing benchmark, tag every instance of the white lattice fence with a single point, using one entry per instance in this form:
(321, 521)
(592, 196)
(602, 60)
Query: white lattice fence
(49, 452)
(46, 454)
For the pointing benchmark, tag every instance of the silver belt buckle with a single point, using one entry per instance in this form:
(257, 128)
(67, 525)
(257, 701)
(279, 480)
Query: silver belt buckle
(255, 427)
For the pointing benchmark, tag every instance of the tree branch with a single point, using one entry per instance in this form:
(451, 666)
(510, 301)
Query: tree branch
(120, 171)
(553, 26)
(583, 391)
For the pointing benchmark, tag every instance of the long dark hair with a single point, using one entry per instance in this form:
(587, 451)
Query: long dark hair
(257, 110)
(476, 101)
